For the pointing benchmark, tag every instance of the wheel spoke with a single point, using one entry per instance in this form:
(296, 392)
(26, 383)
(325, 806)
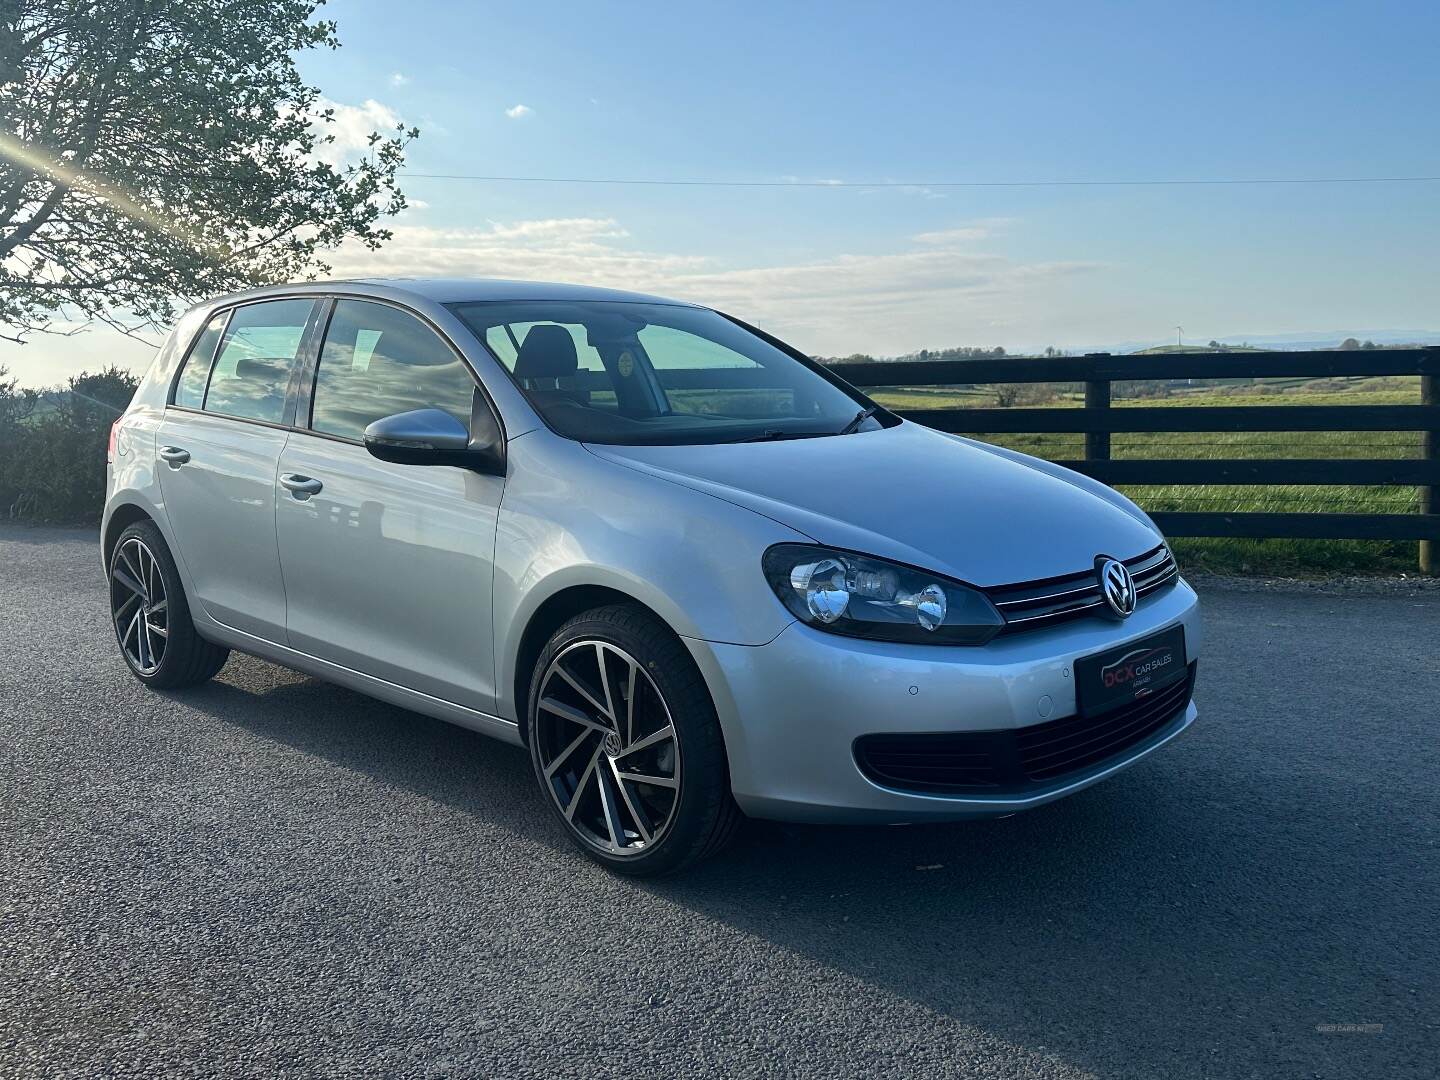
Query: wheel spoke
(583, 692)
(642, 824)
(162, 608)
(123, 611)
(605, 681)
(642, 778)
(125, 578)
(564, 755)
(630, 704)
(610, 811)
(575, 716)
(580, 784)
(164, 633)
(653, 739)
(131, 565)
(130, 628)
(142, 641)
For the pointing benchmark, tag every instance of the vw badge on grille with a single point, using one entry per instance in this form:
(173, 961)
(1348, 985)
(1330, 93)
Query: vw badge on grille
(1116, 586)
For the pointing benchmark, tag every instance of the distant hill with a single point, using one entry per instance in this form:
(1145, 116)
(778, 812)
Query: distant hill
(1298, 340)
(1156, 350)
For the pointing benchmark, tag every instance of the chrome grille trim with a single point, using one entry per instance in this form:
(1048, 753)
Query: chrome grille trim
(1032, 605)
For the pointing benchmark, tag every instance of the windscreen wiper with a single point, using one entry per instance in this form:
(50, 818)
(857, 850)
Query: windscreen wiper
(860, 418)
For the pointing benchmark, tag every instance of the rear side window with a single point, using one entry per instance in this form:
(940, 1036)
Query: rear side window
(378, 361)
(190, 390)
(252, 371)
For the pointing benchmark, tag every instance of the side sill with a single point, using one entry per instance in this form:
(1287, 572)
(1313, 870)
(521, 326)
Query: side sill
(392, 693)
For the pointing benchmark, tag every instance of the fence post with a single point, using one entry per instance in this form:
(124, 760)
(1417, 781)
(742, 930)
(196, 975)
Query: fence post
(1430, 451)
(1097, 396)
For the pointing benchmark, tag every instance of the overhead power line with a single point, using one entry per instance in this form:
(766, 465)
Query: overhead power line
(641, 182)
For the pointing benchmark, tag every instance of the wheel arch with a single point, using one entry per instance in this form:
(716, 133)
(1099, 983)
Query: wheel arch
(121, 518)
(552, 613)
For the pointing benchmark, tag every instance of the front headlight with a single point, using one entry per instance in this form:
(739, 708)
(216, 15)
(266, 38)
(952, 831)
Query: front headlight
(846, 593)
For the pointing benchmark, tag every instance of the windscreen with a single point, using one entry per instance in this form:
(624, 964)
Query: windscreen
(635, 373)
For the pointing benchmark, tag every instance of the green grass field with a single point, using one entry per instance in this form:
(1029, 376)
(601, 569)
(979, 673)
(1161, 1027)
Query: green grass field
(1298, 557)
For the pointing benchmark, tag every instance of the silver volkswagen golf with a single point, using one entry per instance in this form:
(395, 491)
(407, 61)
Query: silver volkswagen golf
(694, 573)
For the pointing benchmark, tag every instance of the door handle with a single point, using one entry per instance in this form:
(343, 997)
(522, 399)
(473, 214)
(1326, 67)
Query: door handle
(302, 487)
(174, 455)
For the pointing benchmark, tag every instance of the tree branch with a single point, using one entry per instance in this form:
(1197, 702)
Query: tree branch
(27, 228)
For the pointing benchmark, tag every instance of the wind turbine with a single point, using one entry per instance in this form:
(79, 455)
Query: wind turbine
(1178, 331)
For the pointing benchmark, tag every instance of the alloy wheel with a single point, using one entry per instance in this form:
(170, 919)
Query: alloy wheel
(607, 747)
(139, 607)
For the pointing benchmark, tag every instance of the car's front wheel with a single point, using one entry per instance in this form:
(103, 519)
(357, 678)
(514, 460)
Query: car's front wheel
(151, 616)
(626, 745)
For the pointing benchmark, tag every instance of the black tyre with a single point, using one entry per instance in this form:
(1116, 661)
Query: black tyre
(626, 745)
(151, 617)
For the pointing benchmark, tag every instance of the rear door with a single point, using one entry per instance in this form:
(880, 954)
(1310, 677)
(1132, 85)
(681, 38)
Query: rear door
(388, 568)
(219, 447)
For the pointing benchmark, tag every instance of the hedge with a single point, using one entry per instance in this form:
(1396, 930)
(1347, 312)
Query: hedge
(52, 446)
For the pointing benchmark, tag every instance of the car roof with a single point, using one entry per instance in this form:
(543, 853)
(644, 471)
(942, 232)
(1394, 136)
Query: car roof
(463, 290)
(459, 290)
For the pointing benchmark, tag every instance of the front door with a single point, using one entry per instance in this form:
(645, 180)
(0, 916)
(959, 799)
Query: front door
(388, 567)
(219, 448)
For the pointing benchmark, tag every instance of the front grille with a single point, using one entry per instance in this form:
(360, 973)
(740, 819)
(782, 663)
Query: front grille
(1033, 605)
(960, 761)
(1049, 751)
(1013, 762)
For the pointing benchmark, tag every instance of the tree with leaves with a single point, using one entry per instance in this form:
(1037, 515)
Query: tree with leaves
(155, 152)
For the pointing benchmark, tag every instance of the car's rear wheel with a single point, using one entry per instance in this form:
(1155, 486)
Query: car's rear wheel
(151, 617)
(626, 745)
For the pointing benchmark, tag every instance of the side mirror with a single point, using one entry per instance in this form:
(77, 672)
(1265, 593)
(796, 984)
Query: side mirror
(434, 437)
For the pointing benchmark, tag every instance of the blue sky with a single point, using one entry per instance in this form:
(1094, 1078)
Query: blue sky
(915, 92)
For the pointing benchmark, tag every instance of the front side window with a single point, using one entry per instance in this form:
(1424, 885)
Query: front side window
(377, 361)
(252, 370)
(633, 373)
(190, 390)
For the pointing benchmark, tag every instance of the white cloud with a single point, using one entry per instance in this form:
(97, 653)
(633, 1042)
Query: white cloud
(558, 230)
(351, 128)
(582, 250)
(518, 112)
(963, 234)
(931, 290)
(398, 79)
(936, 289)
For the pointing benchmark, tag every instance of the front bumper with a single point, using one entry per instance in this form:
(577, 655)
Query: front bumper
(792, 709)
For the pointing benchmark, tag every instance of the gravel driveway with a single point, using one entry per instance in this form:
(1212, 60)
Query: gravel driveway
(270, 876)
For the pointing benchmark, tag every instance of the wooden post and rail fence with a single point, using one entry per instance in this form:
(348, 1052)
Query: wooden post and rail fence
(1097, 421)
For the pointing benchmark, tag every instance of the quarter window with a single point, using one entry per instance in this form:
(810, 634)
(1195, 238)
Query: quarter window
(378, 361)
(252, 372)
(190, 390)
